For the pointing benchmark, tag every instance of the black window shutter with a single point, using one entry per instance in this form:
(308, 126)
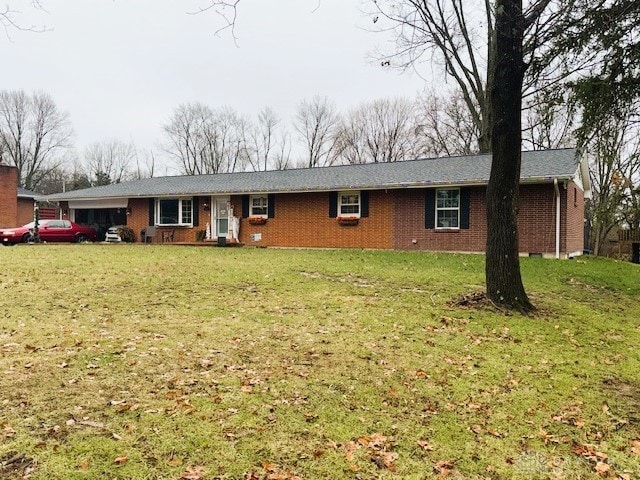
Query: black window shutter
(245, 206)
(152, 211)
(271, 205)
(196, 211)
(333, 204)
(364, 203)
(465, 202)
(430, 208)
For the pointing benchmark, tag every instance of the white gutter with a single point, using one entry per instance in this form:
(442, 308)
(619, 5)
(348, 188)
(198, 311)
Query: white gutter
(555, 186)
(392, 186)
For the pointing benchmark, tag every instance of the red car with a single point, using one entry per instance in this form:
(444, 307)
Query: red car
(49, 231)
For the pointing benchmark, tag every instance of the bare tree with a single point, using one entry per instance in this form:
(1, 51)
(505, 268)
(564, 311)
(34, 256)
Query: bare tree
(549, 121)
(34, 134)
(445, 126)
(54, 182)
(379, 131)
(614, 157)
(317, 124)
(459, 36)
(204, 140)
(110, 161)
(145, 166)
(283, 154)
(185, 135)
(455, 34)
(261, 140)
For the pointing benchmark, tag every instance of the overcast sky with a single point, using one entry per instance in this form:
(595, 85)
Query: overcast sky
(119, 67)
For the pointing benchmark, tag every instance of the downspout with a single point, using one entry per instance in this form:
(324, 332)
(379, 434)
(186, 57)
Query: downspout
(557, 189)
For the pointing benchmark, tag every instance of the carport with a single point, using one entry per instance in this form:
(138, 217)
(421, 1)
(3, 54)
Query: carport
(100, 214)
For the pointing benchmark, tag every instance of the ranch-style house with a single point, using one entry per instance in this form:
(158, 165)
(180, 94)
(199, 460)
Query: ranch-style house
(426, 204)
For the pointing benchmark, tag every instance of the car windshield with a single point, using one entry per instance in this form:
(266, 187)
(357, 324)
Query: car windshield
(29, 225)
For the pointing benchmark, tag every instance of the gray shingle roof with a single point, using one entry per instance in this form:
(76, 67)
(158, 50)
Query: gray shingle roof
(24, 193)
(538, 166)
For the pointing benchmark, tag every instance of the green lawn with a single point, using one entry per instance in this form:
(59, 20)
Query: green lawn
(166, 362)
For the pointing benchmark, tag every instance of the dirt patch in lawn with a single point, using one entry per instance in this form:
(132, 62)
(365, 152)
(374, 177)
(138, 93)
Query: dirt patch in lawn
(15, 465)
(627, 394)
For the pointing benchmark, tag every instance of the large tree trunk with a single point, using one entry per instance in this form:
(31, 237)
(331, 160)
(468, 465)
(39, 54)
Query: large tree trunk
(504, 282)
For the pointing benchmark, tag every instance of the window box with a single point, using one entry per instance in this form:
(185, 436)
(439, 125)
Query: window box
(257, 220)
(348, 221)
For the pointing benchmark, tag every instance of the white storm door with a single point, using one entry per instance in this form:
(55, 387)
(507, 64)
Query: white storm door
(220, 217)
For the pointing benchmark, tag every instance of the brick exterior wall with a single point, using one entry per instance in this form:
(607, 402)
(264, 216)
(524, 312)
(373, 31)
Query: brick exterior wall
(396, 219)
(536, 222)
(409, 225)
(572, 219)
(302, 220)
(8, 196)
(139, 216)
(537, 219)
(138, 219)
(25, 211)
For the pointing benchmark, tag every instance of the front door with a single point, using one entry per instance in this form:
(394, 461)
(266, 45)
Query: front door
(220, 220)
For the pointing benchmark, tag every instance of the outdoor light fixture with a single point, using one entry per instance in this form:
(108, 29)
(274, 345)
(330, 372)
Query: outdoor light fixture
(128, 210)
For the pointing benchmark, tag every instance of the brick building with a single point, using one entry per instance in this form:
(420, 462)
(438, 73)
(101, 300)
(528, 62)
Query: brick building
(16, 204)
(429, 204)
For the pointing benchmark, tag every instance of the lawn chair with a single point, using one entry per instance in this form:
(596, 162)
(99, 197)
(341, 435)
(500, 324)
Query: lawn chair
(167, 236)
(147, 234)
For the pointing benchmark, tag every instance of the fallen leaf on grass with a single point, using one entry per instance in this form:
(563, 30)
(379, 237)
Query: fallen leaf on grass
(193, 473)
(477, 429)
(635, 447)
(444, 467)
(269, 467)
(271, 472)
(88, 423)
(8, 431)
(548, 438)
(377, 448)
(603, 469)
(385, 460)
(120, 460)
(589, 452)
(425, 445)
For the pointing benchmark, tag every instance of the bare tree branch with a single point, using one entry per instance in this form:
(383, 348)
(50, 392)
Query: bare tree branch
(34, 134)
(9, 20)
